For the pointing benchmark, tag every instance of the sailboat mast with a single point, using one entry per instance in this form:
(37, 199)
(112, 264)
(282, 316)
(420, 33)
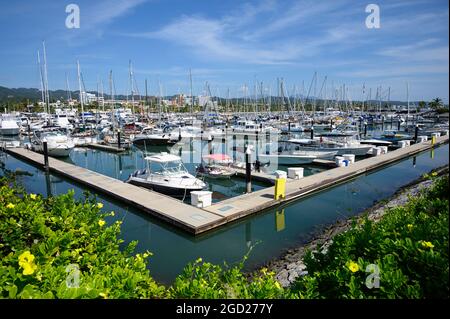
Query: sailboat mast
(42, 80)
(81, 93)
(192, 98)
(111, 94)
(47, 96)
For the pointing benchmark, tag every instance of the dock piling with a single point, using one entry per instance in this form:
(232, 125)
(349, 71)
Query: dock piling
(312, 132)
(416, 132)
(44, 144)
(248, 169)
(118, 139)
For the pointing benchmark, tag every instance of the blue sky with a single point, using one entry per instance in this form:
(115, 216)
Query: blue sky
(231, 44)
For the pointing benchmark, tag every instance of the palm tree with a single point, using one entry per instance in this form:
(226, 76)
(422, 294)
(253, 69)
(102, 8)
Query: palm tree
(436, 103)
(422, 105)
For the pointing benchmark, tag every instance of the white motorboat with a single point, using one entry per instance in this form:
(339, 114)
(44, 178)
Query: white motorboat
(150, 136)
(58, 143)
(343, 146)
(296, 157)
(251, 127)
(166, 173)
(8, 125)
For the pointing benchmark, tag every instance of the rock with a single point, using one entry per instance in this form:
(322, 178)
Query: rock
(282, 278)
(292, 276)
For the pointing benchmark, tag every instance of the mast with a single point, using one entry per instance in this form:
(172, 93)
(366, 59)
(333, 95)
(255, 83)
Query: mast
(407, 99)
(81, 93)
(111, 93)
(192, 98)
(131, 85)
(41, 78)
(46, 80)
(146, 97)
(101, 94)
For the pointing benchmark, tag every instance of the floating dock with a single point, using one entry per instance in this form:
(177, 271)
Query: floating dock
(105, 148)
(198, 220)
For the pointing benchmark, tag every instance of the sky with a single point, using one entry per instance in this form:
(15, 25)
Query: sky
(232, 45)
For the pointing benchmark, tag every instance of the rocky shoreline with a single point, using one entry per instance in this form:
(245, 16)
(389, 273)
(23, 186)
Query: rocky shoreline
(290, 266)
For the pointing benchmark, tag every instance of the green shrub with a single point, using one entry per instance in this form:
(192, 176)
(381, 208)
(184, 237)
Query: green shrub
(205, 280)
(409, 245)
(40, 238)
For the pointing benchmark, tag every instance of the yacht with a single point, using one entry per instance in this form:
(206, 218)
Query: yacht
(165, 173)
(152, 136)
(343, 145)
(58, 143)
(8, 125)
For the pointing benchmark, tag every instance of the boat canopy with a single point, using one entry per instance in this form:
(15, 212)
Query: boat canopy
(217, 157)
(163, 158)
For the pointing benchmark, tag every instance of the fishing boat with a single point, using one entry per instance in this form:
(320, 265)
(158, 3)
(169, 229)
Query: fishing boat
(165, 173)
(58, 143)
(216, 166)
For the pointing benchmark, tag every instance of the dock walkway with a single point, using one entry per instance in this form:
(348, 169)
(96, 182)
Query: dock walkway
(174, 211)
(196, 220)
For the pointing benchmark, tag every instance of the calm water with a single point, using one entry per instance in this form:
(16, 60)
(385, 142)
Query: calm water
(273, 231)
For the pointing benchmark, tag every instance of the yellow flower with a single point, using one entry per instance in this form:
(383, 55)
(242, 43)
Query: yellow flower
(33, 196)
(26, 261)
(199, 260)
(277, 285)
(10, 205)
(427, 244)
(434, 174)
(99, 205)
(353, 266)
(410, 227)
(101, 222)
(112, 213)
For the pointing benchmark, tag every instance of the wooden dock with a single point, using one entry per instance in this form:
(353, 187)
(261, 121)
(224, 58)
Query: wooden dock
(106, 148)
(196, 220)
(174, 211)
(244, 205)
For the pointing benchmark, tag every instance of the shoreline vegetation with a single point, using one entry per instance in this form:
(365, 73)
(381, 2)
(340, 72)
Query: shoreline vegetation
(59, 247)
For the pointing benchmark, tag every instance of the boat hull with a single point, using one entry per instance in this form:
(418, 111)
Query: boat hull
(168, 190)
(10, 131)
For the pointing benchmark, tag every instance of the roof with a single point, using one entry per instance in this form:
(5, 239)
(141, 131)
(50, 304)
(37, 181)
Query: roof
(163, 158)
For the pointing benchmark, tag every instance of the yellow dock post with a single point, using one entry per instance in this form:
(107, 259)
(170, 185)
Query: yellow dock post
(433, 140)
(280, 188)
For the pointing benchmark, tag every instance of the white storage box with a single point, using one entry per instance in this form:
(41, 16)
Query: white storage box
(384, 149)
(295, 172)
(349, 157)
(201, 198)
